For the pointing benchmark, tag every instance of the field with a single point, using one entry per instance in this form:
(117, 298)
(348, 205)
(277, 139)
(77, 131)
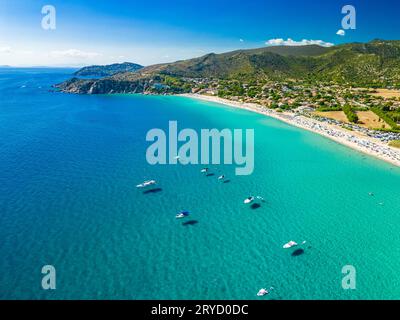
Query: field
(387, 93)
(336, 115)
(367, 119)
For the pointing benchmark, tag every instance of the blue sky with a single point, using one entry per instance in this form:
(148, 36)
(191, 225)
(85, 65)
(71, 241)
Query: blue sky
(154, 31)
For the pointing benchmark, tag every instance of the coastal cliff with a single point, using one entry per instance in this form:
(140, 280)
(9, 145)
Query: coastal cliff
(122, 84)
(84, 86)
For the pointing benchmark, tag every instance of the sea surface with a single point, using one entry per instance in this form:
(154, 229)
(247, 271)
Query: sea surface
(68, 169)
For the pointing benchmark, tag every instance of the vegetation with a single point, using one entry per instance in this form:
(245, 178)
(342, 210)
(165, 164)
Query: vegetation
(370, 65)
(326, 109)
(373, 65)
(380, 113)
(350, 114)
(108, 70)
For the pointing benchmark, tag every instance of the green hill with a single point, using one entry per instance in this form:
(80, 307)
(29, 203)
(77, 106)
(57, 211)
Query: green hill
(108, 70)
(373, 64)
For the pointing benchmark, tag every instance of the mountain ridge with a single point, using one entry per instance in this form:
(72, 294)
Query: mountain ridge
(376, 63)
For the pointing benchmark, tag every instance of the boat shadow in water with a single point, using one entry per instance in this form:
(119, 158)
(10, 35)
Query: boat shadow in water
(190, 223)
(210, 174)
(154, 190)
(298, 252)
(255, 206)
(227, 181)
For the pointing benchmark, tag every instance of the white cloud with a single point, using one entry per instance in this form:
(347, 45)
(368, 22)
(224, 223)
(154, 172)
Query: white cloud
(24, 52)
(5, 50)
(74, 53)
(8, 50)
(290, 42)
(341, 33)
(241, 40)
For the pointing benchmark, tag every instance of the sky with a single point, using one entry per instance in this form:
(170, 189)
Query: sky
(157, 31)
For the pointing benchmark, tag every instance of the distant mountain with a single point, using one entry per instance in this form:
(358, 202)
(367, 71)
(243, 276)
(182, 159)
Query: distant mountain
(108, 70)
(376, 63)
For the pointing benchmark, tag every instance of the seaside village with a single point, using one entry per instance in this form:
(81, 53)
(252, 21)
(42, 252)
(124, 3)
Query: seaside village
(372, 113)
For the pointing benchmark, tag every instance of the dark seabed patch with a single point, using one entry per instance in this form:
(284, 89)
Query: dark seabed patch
(190, 223)
(156, 190)
(297, 253)
(255, 206)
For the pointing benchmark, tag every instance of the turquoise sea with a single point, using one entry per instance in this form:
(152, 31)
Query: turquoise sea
(68, 169)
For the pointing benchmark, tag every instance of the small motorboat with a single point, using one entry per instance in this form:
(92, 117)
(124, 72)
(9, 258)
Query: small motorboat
(264, 292)
(221, 177)
(204, 170)
(249, 200)
(290, 244)
(146, 184)
(182, 214)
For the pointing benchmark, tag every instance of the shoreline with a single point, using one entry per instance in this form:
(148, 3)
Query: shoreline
(356, 141)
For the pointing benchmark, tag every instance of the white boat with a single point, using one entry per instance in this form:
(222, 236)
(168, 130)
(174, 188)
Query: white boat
(249, 200)
(182, 214)
(205, 170)
(146, 184)
(290, 244)
(221, 177)
(264, 292)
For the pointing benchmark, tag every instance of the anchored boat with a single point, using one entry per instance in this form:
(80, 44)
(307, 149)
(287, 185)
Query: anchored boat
(290, 244)
(146, 184)
(264, 292)
(249, 200)
(182, 214)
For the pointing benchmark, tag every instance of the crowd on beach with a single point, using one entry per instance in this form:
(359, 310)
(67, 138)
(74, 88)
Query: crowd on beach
(367, 145)
(325, 128)
(384, 136)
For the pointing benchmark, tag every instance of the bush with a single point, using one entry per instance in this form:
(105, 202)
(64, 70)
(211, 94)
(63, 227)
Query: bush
(380, 113)
(325, 109)
(350, 114)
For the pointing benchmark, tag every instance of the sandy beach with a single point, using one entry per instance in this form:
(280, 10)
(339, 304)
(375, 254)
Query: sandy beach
(354, 140)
